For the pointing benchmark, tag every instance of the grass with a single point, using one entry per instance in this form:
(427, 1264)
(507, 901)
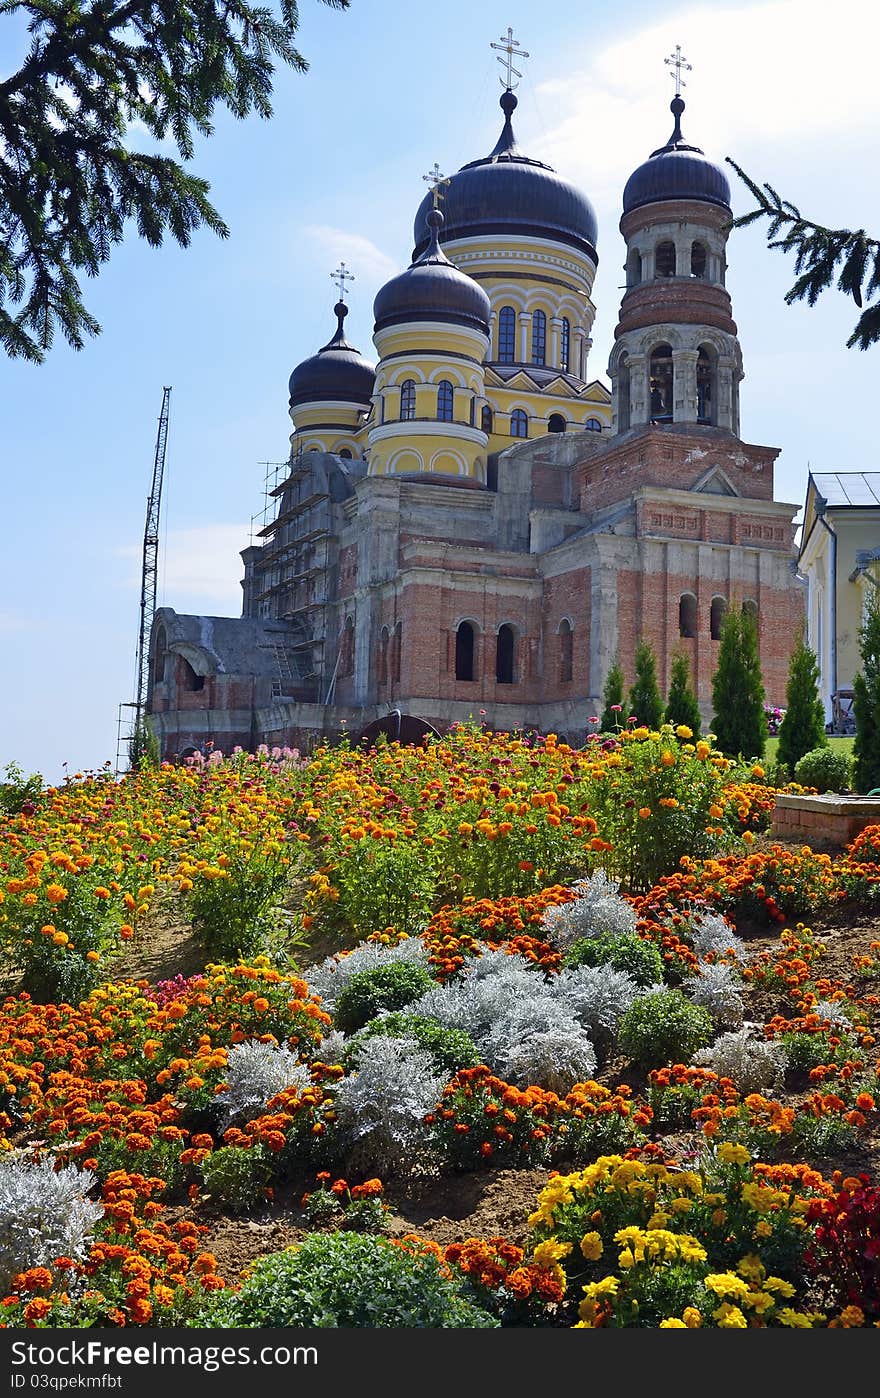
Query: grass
(841, 744)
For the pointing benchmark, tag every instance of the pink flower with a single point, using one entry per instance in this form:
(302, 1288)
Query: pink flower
(616, 708)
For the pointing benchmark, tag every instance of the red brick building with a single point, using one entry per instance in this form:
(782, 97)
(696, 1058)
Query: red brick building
(412, 597)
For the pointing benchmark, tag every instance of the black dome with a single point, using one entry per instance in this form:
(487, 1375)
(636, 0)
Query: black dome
(676, 171)
(432, 289)
(506, 192)
(337, 373)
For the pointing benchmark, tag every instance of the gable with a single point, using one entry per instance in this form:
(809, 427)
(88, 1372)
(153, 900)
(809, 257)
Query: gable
(714, 482)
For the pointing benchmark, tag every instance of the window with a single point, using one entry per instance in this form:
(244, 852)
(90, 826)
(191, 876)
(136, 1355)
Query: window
(565, 345)
(539, 337)
(444, 401)
(634, 267)
(664, 260)
(593, 424)
(661, 384)
(519, 423)
(504, 655)
(556, 423)
(566, 651)
(159, 655)
(486, 419)
(346, 649)
(506, 335)
(698, 260)
(191, 680)
(345, 454)
(407, 400)
(716, 617)
(705, 386)
(464, 651)
(750, 609)
(687, 615)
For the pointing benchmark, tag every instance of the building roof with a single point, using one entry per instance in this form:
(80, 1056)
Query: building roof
(432, 289)
(853, 488)
(676, 171)
(338, 373)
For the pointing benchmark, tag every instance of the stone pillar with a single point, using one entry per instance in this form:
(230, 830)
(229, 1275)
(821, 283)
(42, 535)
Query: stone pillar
(684, 385)
(525, 322)
(726, 413)
(554, 346)
(639, 389)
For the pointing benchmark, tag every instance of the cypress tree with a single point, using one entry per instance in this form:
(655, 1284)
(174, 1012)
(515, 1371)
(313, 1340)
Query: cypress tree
(739, 725)
(645, 699)
(612, 695)
(681, 702)
(803, 726)
(866, 704)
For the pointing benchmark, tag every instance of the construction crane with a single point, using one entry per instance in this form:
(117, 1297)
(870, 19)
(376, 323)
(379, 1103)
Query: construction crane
(149, 571)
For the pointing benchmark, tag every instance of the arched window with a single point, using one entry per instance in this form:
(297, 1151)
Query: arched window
(464, 651)
(346, 649)
(661, 384)
(565, 345)
(191, 680)
(486, 419)
(664, 260)
(539, 337)
(750, 609)
(699, 259)
(506, 335)
(593, 424)
(566, 651)
(519, 423)
(556, 423)
(687, 615)
(504, 651)
(623, 395)
(345, 454)
(634, 267)
(473, 411)
(159, 650)
(444, 401)
(407, 400)
(383, 656)
(716, 617)
(705, 385)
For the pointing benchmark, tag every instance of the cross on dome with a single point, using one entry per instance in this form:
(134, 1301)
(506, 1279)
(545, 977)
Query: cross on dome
(510, 47)
(676, 61)
(340, 277)
(436, 180)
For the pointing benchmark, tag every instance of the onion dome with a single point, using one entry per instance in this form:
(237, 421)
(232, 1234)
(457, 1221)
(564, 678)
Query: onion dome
(508, 193)
(338, 373)
(676, 171)
(432, 289)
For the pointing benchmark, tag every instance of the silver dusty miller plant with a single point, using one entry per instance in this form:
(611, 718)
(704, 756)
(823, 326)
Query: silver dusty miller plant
(752, 1064)
(44, 1214)
(598, 996)
(555, 1059)
(598, 911)
(255, 1073)
(330, 978)
(712, 935)
(716, 988)
(485, 993)
(381, 1106)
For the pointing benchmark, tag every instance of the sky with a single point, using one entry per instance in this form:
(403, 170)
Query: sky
(336, 173)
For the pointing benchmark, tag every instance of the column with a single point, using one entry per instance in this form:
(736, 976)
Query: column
(684, 385)
(639, 389)
(554, 345)
(727, 415)
(525, 322)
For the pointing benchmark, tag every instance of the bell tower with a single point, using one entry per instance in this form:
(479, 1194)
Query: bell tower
(676, 356)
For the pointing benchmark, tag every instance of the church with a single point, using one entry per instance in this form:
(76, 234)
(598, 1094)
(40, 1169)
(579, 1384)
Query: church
(471, 527)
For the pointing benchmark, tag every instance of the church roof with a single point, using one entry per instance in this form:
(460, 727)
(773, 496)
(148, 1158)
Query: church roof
(676, 171)
(432, 289)
(508, 193)
(338, 373)
(854, 488)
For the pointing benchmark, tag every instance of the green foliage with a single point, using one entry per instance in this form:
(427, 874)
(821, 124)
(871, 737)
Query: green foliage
(451, 1049)
(19, 792)
(231, 906)
(681, 701)
(143, 746)
(379, 884)
(236, 1177)
(613, 696)
(802, 729)
(866, 703)
(663, 1028)
(71, 180)
(818, 251)
(388, 987)
(824, 768)
(634, 955)
(739, 724)
(644, 697)
(348, 1280)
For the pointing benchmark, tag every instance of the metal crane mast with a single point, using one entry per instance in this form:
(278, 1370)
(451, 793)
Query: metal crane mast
(151, 562)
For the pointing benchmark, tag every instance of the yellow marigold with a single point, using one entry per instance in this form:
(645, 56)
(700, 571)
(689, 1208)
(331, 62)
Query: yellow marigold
(645, 813)
(672, 1324)
(796, 1320)
(703, 749)
(782, 1288)
(730, 1317)
(667, 758)
(546, 1253)
(851, 1317)
(727, 1284)
(731, 1154)
(591, 1246)
(682, 731)
(758, 771)
(692, 1318)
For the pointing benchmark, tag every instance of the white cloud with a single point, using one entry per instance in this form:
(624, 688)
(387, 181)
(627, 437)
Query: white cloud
(369, 263)
(198, 567)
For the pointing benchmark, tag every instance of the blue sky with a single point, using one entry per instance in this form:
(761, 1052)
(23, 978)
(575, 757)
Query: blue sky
(393, 87)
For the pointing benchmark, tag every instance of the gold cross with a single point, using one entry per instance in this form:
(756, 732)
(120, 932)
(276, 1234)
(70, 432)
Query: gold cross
(340, 277)
(676, 61)
(509, 46)
(436, 180)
